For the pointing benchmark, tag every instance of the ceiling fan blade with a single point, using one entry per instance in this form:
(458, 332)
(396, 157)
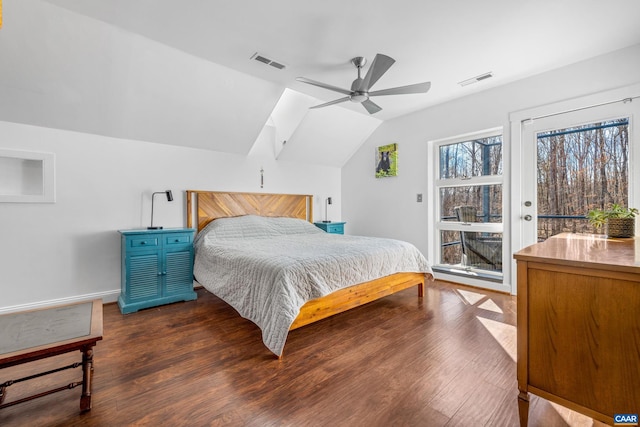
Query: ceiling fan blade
(335, 101)
(323, 85)
(402, 90)
(381, 63)
(371, 106)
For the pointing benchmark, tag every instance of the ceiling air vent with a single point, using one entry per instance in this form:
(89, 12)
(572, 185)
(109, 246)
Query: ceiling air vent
(268, 61)
(476, 79)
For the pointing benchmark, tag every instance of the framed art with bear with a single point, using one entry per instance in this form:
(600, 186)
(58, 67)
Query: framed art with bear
(387, 160)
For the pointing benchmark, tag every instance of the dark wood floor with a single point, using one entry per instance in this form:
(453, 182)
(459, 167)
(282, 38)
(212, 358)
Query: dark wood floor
(401, 361)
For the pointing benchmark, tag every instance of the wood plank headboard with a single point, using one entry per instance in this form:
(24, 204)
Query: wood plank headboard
(205, 206)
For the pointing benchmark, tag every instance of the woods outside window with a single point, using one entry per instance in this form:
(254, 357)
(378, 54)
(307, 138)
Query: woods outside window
(469, 213)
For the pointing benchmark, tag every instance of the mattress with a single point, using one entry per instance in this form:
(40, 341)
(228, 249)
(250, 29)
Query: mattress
(267, 268)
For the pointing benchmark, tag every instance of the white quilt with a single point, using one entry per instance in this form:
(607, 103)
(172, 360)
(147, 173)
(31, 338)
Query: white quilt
(267, 268)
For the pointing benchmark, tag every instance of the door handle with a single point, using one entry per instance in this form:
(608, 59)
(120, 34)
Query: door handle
(527, 217)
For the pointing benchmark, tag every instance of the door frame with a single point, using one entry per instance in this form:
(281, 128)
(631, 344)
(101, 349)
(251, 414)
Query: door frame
(519, 120)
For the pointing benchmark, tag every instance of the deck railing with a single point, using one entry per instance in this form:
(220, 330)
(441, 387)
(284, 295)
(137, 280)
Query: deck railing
(548, 225)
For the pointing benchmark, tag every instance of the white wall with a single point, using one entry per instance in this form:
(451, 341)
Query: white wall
(387, 207)
(70, 249)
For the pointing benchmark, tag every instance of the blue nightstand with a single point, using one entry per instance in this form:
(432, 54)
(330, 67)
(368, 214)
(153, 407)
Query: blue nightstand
(331, 227)
(157, 268)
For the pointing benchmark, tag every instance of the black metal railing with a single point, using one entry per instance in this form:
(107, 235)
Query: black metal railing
(548, 225)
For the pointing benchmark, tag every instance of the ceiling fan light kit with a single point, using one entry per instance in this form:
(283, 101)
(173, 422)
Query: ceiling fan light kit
(360, 88)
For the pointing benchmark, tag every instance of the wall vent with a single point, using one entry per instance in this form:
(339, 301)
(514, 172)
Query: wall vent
(476, 79)
(268, 61)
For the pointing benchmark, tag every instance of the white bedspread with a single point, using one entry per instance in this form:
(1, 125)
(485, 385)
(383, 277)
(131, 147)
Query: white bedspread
(267, 268)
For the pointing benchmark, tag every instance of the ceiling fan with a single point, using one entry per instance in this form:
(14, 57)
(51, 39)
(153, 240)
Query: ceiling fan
(361, 86)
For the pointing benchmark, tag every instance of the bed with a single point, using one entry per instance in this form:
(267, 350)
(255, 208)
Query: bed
(262, 255)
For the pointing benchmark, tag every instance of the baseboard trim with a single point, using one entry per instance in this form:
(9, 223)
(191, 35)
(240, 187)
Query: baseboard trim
(106, 297)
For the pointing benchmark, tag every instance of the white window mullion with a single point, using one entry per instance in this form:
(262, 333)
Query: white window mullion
(476, 180)
(478, 227)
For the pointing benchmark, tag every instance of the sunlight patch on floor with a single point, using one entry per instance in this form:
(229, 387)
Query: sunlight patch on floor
(504, 334)
(470, 297)
(491, 306)
(573, 418)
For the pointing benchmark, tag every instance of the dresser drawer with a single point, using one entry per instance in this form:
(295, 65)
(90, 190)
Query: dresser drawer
(335, 228)
(178, 239)
(143, 242)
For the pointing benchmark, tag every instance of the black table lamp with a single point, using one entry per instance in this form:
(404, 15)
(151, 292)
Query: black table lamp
(169, 199)
(327, 202)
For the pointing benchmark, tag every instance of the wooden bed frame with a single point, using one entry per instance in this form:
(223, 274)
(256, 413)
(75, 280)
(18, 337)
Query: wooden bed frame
(205, 206)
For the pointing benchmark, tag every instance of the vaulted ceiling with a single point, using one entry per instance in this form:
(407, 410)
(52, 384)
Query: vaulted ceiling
(181, 72)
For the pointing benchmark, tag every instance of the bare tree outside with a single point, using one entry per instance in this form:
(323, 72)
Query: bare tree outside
(464, 160)
(579, 169)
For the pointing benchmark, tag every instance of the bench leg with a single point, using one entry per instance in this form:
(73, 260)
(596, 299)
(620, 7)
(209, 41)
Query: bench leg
(87, 375)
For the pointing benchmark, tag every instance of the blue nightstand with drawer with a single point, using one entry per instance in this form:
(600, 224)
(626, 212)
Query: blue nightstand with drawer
(331, 227)
(157, 268)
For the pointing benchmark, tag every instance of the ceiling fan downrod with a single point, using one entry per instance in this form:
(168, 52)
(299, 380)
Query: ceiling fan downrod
(358, 94)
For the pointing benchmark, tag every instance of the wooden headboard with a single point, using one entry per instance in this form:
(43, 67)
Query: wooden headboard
(205, 206)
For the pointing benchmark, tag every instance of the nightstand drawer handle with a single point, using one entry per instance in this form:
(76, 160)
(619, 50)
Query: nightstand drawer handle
(162, 273)
(143, 242)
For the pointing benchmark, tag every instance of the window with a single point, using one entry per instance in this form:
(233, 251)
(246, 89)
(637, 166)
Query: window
(468, 215)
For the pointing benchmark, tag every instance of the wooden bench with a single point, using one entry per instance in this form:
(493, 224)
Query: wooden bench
(38, 334)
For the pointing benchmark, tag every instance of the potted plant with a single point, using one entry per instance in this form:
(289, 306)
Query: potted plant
(620, 221)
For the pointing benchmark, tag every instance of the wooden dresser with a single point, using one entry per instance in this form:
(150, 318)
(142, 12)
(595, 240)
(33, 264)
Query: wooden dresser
(579, 325)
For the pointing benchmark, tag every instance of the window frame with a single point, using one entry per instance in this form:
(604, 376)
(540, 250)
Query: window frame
(473, 277)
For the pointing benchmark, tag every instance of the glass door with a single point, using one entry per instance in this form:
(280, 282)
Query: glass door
(574, 162)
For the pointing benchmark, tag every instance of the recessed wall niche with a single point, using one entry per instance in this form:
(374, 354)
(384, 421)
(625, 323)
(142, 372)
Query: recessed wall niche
(27, 177)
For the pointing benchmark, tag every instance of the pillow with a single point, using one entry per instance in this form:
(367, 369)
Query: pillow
(256, 227)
